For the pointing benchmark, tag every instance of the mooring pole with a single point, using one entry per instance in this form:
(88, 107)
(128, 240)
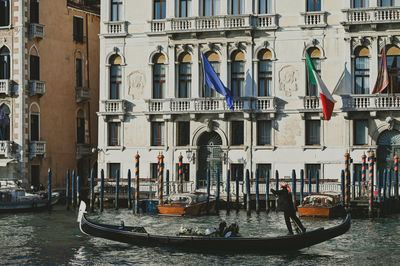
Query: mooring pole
(196, 185)
(371, 184)
(136, 207)
(276, 187)
(101, 190)
(309, 181)
(228, 189)
(317, 181)
(353, 188)
(92, 190)
(379, 179)
(294, 188)
(257, 193)
(180, 185)
(384, 185)
(67, 189)
(396, 177)
(347, 179)
(217, 189)
(363, 174)
(266, 190)
(237, 189)
(78, 190)
(342, 186)
(129, 189)
(301, 185)
(73, 189)
(167, 182)
(160, 179)
(248, 191)
(208, 188)
(49, 186)
(389, 183)
(116, 188)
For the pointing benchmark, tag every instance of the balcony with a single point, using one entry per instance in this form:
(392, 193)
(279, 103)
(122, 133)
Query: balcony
(267, 21)
(5, 85)
(5, 149)
(37, 88)
(83, 150)
(315, 19)
(37, 148)
(113, 108)
(82, 94)
(116, 29)
(371, 103)
(371, 16)
(36, 31)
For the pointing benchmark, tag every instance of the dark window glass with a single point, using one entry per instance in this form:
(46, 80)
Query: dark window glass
(263, 6)
(34, 67)
(78, 29)
(154, 171)
(313, 128)
(264, 77)
(263, 169)
(237, 78)
(264, 132)
(393, 64)
(112, 170)
(5, 129)
(313, 5)
(34, 11)
(237, 129)
(34, 127)
(114, 134)
(183, 133)
(185, 171)
(388, 3)
(361, 132)
(312, 170)
(360, 3)
(236, 171)
(78, 72)
(158, 81)
(237, 7)
(159, 9)
(116, 10)
(4, 13)
(157, 133)
(185, 79)
(80, 130)
(35, 176)
(116, 80)
(4, 63)
(210, 8)
(361, 75)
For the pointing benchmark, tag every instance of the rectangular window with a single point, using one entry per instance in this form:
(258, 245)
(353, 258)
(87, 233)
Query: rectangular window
(237, 78)
(157, 133)
(185, 171)
(263, 168)
(237, 7)
(78, 30)
(313, 128)
(264, 132)
(80, 130)
(34, 11)
(358, 171)
(360, 3)
(311, 170)
(183, 129)
(313, 5)
(237, 171)
(184, 8)
(264, 6)
(159, 81)
(393, 65)
(112, 170)
(361, 132)
(237, 133)
(361, 75)
(264, 77)
(4, 13)
(34, 127)
(34, 67)
(210, 7)
(79, 72)
(116, 80)
(388, 3)
(159, 9)
(116, 10)
(154, 171)
(114, 134)
(4, 64)
(35, 176)
(185, 80)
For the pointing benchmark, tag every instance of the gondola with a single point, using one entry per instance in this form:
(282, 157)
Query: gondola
(138, 236)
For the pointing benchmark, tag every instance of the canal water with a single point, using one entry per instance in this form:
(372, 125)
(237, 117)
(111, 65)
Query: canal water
(54, 238)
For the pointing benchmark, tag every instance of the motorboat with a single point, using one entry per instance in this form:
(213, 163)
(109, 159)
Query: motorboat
(181, 204)
(326, 205)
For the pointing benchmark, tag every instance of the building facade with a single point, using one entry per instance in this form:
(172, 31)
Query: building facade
(153, 99)
(49, 56)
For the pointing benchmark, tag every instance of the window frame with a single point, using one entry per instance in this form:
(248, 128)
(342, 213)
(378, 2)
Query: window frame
(363, 3)
(311, 140)
(7, 14)
(239, 5)
(78, 31)
(158, 127)
(237, 134)
(234, 167)
(259, 138)
(184, 80)
(116, 5)
(5, 63)
(267, 7)
(34, 132)
(183, 133)
(34, 11)
(159, 81)
(394, 74)
(163, 13)
(316, 5)
(317, 166)
(213, 8)
(116, 80)
(115, 128)
(237, 78)
(80, 130)
(357, 129)
(79, 72)
(111, 167)
(264, 77)
(364, 77)
(187, 8)
(34, 67)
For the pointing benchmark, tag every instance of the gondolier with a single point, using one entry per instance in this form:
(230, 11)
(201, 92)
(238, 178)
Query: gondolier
(285, 204)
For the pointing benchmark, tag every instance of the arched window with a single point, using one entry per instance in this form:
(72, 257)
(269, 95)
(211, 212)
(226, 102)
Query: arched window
(4, 63)
(264, 73)
(115, 77)
(116, 10)
(159, 76)
(214, 60)
(237, 76)
(80, 127)
(34, 123)
(361, 70)
(210, 7)
(5, 128)
(237, 7)
(393, 64)
(315, 55)
(4, 13)
(185, 75)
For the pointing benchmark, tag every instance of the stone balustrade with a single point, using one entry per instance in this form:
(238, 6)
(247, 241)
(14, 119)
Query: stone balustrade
(368, 102)
(37, 148)
(36, 31)
(5, 86)
(112, 107)
(37, 87)
(316, 19)
(372, 16)
(116, 29)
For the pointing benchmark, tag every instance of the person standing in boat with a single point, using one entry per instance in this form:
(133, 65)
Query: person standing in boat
(285, 204)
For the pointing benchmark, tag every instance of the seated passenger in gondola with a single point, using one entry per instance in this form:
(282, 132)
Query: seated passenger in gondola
(285, 204)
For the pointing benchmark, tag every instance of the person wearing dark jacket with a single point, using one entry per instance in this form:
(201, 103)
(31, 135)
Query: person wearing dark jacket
(285, 204)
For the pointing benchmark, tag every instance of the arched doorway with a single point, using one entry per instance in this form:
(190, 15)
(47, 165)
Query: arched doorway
(210, 155)
(388, 147)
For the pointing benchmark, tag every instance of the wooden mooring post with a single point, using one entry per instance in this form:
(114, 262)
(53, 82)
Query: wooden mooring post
(116, 189)
(67, 191)
(73, 189)
(301, 185)
(101, 190)
(257, 192)
(309, 181)
(49, 187)
(396, 177)
(136, 207)
(276, 186)
(294, 188)
(237, 189)
(92, 196)
(129, 189)
(371, 184)
(248, 192)
(228, 190)
(78, 190)
(217, 192)
(208, 188)
(267, 206)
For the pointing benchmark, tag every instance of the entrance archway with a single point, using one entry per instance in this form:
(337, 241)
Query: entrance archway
(388, 146)
(210, 156)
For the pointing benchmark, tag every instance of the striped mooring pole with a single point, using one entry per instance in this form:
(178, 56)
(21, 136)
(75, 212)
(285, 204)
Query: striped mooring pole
(180, 185)
(301, 185)
(257, 193)
(396, 177)
(363, 173)
(160, 179)
(67, 189)
(371, 183)
(101, 190)
(129, 189)
(49, 187)
(92, 190)
(267, 190)
(346, 179)
(136, 207)
(73, 189)
(228, 189)
(116, 188)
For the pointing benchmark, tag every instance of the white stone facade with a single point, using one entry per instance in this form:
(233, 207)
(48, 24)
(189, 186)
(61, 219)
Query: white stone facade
(287, 31)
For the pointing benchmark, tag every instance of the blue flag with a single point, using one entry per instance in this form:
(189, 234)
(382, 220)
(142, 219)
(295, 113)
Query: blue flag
(213, 81)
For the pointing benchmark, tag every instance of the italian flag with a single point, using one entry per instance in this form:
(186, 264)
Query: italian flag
(328, 103)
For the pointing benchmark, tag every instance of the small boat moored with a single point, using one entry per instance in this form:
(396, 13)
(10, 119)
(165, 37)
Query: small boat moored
(326, 205)
(181, 204)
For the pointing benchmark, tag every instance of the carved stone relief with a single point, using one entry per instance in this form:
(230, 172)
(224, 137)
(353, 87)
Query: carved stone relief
(136, 82)
(288, 79)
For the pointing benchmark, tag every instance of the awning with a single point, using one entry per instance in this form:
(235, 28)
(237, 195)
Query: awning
(4, 162)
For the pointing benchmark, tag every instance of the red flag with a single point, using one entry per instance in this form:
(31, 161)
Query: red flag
(382, 81)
